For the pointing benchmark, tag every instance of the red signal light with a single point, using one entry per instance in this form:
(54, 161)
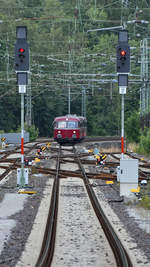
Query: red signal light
(21, 50)
(123, 53)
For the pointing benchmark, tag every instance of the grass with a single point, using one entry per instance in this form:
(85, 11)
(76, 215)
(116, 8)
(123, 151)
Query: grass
(110, 150)
(34, 170)
(145, 202)
(145, 198)
(132, 147)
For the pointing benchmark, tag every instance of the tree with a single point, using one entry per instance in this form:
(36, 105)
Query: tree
(132, 127)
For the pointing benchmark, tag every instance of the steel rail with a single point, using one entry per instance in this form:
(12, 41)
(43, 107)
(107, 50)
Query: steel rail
(120, 253)
(47, 250)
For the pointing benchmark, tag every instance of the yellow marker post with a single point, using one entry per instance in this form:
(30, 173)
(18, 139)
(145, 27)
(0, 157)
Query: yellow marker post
(48, 145)
(37, 160)
(23, 191)
(43, 148)
(109, 182)
(135, 190)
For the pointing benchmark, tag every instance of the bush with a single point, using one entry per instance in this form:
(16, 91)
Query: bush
(132, 128)
(144, 145)
(34, 132)
(145, 202)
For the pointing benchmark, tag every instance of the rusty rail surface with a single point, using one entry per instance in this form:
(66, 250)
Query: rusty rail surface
(121, 256)
(47, 250)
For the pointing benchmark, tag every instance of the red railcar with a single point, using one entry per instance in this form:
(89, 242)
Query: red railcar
(69, 129)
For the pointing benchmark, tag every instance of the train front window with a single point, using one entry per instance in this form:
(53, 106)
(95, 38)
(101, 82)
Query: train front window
(67, 124)
(62, 124)
(72, 124)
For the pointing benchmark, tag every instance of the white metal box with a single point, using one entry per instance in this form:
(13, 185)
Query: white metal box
(25, 175)
(128, 172)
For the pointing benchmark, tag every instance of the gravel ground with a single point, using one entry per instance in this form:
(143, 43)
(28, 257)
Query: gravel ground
(16, 243)
(130, 224)
(79, 241)
(125, 226)
(35, 240)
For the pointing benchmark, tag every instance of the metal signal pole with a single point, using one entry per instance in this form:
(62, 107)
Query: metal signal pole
(69, 93)
(122, 125)
(28, 118)
(23, 173)
(69, 99)
(22, 69)
(144, 92)
(22, 137)
(84, 102)
(123, 68)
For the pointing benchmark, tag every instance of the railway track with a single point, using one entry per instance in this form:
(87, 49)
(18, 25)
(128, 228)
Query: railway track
(11, 159)
(46, 254)
(121, 255)
(47, 250)
(66, 157)
(9, 162)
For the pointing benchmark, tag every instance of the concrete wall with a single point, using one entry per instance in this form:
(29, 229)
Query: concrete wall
(14, 138)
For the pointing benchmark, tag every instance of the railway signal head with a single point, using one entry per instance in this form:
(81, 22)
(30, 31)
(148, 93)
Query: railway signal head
(21, 49)
(123, 58)
(21, 55)
(123, 53)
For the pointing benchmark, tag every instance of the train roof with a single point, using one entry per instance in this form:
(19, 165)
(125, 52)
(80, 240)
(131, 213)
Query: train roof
(70, 117)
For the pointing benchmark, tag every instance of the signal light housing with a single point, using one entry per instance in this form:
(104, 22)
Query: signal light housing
(21, 55)
(123, 58)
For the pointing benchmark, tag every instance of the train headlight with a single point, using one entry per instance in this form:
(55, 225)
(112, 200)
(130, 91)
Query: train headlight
(59, 136)
(74, 132)
(59, 132)
(74, 136)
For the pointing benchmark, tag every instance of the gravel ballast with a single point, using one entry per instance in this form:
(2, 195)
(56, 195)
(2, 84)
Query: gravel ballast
(136, 240)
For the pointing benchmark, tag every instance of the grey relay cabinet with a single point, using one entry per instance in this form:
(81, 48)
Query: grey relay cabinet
(129, 171)
(127, 175)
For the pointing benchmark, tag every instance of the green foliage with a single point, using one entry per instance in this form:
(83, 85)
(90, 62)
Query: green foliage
(145, 202)
(132, 127)
(33, 132)
(61, 43)
(103, 116)
(144, 144)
